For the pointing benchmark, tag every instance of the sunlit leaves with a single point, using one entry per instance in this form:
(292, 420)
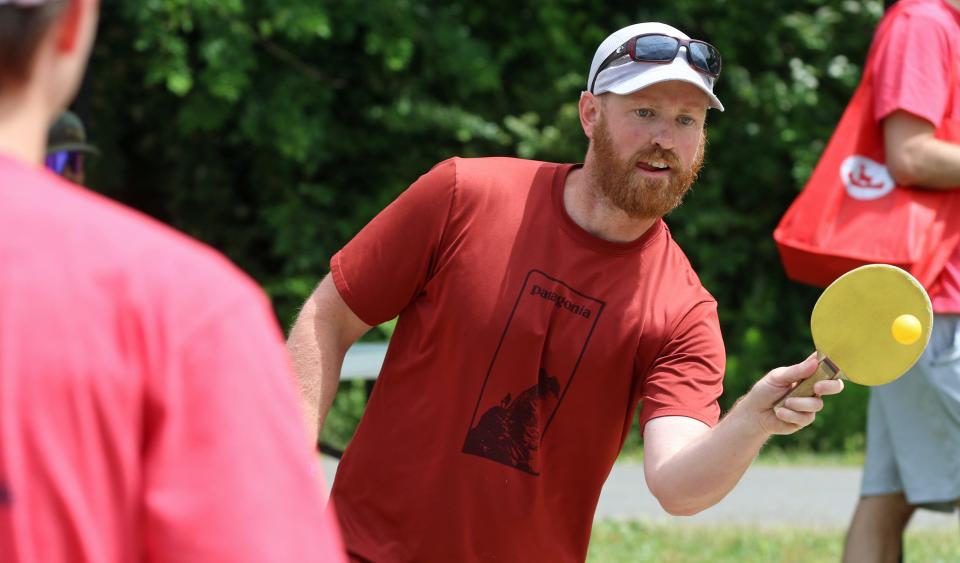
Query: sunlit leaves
(274, 129)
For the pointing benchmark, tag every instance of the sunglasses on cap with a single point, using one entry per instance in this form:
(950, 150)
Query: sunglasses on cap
(662, 49)
(63, 161)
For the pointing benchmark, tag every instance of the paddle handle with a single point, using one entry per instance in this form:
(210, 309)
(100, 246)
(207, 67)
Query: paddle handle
(825, 370)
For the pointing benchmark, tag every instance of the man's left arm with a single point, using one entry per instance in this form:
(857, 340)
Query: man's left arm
(914, 80)
(690, 466)
(915, 157)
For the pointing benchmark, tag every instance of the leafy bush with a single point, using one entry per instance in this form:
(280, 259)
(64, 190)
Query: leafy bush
(274, 129)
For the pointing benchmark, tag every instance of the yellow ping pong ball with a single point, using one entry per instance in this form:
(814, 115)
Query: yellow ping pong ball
(906, 329)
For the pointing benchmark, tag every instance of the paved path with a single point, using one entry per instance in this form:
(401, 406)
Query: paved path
(767, 496)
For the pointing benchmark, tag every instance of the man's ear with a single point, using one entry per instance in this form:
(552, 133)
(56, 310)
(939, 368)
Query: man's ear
(69, 24)
(589, 112)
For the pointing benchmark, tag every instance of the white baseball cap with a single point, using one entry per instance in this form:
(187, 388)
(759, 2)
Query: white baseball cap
(624, 76)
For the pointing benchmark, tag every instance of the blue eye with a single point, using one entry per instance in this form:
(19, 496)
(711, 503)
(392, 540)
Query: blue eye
(686, 120)
(643, 112)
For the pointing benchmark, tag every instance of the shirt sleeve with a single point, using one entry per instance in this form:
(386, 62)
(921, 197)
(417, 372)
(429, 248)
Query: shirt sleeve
(687, 377)
(391, 260)
(229, 475)
(911, 69)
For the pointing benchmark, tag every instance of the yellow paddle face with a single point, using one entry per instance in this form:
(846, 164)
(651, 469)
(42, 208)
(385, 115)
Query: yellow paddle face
(861, 323)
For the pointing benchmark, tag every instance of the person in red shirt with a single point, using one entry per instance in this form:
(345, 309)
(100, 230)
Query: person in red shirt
(538, 305)
(913, 424)
(148, 411)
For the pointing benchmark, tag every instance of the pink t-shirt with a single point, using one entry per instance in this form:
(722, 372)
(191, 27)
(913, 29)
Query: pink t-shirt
(147, 408)
(523, 346)
(916, 68)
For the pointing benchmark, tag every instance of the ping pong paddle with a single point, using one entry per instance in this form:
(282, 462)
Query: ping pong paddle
(869, 326)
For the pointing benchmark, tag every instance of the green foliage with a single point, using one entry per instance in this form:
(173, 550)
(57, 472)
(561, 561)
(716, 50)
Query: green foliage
(274, 129)
(345, 414)
(635, 542)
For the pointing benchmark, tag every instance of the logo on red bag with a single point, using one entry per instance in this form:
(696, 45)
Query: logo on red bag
(865, 179)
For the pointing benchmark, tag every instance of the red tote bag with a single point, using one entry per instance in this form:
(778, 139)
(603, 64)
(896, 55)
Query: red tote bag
(851, 212)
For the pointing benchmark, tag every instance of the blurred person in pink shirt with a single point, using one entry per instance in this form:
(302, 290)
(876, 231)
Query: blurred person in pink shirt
(147, 408)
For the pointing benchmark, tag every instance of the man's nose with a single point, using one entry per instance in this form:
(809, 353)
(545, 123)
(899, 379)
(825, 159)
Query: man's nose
(664, 137)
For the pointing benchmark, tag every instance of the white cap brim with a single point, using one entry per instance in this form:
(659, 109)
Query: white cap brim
(629, 77)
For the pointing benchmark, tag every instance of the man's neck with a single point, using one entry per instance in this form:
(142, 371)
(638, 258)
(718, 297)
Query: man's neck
(594, 213)
(23, 127)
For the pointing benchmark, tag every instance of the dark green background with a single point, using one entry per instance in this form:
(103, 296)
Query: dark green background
(274, 129)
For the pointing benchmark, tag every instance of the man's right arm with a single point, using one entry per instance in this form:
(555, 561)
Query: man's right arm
(325, 328)
(379, 273)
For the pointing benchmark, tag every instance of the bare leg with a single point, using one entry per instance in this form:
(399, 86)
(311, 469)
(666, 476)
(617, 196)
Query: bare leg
(876, 532)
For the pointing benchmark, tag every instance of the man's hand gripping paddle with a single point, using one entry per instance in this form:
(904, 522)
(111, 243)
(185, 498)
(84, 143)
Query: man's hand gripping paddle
(869, 326)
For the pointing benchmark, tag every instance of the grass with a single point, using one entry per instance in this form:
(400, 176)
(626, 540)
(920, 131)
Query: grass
(779, 457)
(775, 456)
(630, 541)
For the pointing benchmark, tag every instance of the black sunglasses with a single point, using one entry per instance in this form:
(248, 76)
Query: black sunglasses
(662, 49)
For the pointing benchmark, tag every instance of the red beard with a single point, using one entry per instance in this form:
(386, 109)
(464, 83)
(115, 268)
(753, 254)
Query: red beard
(639, 197)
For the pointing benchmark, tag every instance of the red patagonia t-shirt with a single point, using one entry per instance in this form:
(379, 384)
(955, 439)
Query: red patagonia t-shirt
(916, 68)
(147, 408)
(523, 347)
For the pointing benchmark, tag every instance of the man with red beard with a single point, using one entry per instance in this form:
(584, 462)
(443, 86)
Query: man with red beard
(538, 305)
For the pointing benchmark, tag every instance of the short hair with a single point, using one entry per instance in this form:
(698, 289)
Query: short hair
(21, 30)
